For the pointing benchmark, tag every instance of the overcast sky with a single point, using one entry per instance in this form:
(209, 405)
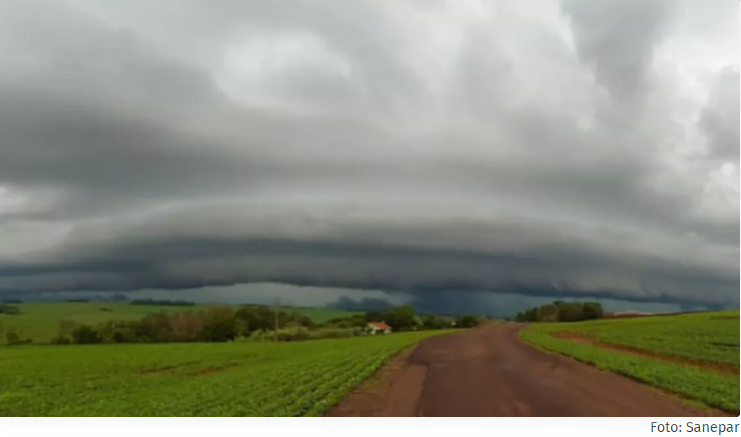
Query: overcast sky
(415, 148)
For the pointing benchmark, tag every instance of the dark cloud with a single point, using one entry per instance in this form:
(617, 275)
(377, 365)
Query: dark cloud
(421, 149)
(186, 250)
(364, 304)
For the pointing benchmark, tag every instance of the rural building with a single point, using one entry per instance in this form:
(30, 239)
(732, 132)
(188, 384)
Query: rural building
(378, 327)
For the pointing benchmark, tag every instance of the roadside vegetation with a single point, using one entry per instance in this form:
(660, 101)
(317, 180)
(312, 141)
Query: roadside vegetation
(693, 355)
(148, 321)
(201, 379)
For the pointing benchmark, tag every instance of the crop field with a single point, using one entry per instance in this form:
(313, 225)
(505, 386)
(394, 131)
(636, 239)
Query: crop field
(196, 379)
(694, 355)
(40, 321)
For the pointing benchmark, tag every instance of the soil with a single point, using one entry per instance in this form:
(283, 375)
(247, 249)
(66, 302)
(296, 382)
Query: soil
(210, 370)
(710, 365)
(488, 372)
(392, 392)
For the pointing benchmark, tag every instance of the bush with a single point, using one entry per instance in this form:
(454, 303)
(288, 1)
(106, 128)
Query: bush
(257, 336)
(9, 310)
(432, 322)
(302, 333)
(467, 322)
(336, 333)
(60, 340)
(85, 334)
(14, 338)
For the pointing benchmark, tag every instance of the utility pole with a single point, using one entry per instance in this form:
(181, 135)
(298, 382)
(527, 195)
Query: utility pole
(277, 310)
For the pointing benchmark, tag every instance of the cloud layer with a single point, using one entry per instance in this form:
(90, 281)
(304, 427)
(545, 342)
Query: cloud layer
(414, 148)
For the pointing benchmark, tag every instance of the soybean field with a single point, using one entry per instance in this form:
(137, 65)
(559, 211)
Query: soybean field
(693, 355)
(191, 379)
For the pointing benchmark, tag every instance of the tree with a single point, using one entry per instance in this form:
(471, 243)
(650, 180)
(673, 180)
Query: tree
(85, 334)
(560, 311)
(401, 318)
(255, 318)
(374, 316)
(467, 322)
(548, 313)
(593, 310)
(219, 324)
(531, 315)
(432, 322)
(154, 327)
(186, 326)
(570, 312)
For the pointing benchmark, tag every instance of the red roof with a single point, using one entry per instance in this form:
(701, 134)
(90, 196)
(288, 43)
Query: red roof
(380, 325)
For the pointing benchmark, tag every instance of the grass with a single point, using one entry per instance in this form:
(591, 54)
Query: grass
(711, 337)
(321, 315)
(228, 379)
(40, 321)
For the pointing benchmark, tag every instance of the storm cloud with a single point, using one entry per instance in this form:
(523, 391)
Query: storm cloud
(556, 149)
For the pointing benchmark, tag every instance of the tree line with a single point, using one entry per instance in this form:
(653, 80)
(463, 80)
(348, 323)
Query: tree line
(560, 311)
(252, 322)
(162, 302)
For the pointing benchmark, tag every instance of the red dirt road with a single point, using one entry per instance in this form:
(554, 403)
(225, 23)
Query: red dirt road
(489, 372)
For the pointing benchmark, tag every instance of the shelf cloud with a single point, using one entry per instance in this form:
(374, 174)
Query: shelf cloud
(561, 149)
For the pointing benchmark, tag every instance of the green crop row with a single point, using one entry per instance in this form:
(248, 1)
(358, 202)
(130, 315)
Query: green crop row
(706, 386)
(233, 379)
(710, 337)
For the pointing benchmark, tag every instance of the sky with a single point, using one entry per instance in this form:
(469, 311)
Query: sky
(476, 155)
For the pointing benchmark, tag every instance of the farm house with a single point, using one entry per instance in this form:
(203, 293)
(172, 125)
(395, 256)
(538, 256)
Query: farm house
(378, 327)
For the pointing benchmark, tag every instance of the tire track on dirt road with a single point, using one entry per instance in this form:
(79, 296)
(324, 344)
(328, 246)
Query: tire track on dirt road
(488, 371)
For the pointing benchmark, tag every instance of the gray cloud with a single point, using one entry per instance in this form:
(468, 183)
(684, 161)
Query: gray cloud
(423, 148)
(720, 118)
(617, 39)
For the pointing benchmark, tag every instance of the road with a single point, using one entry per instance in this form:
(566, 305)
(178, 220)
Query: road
(488, 371)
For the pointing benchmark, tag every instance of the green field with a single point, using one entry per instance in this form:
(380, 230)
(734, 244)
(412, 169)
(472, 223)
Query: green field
(40, 321)
(194, 379)
(706, 337)
(321, 315)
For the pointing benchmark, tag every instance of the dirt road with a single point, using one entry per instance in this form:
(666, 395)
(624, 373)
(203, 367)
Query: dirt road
(489, 372)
